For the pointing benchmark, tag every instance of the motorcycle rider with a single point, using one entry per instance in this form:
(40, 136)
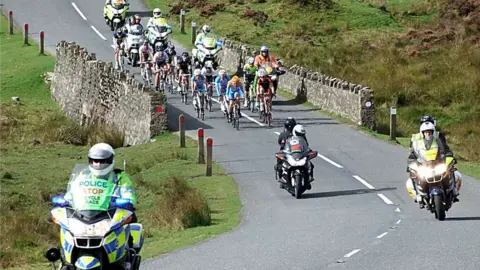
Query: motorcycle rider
(119, 45)
(429, 139)
(116, 3)
(221, 86)
(135, 20)
(265, 57)
(249, 70)
(299, 133)
(184, 66)
(101, 160)
(157, 19)
(199, 39)
(289, 124)
(441, 135)
(234, 87)
(146, 54)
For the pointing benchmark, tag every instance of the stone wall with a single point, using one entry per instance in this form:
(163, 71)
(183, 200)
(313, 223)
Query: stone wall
(352, 101)
(92, 91)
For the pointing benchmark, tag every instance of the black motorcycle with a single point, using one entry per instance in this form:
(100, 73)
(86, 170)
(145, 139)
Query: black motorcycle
(295, 171)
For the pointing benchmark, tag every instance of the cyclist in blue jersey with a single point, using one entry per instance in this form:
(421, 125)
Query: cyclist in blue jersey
(221, 86)
(199, 84)
(234, 88)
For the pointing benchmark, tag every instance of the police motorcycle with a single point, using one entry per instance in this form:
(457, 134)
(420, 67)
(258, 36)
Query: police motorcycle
(208, 52)
(158, 34)
(436, 171)
(296, 158)
(115, 14)
(133, 42)
(95, 226)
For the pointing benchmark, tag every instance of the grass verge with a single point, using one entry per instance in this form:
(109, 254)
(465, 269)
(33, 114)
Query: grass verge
(423, 56)
(177, 204)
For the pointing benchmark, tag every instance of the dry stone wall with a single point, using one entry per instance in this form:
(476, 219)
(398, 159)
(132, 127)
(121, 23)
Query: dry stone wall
(92, 91)
(352, 101)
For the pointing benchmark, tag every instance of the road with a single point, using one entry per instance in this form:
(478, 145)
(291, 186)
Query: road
(358, 214)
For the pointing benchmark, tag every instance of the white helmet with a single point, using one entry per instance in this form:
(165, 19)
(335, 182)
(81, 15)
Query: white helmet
(264, 49)
(251, 60)
(157, 13)
(206, 28)
(262, 73)
(427, 126)
(222, 72)
(197, 72)
(208, 64)
(299, 130)
(103, 156)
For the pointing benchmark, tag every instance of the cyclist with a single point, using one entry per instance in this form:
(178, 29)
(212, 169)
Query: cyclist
(161, 61)
(198, 85)
(221, 86)
(146, 54)
(119, 45)
(234, 87)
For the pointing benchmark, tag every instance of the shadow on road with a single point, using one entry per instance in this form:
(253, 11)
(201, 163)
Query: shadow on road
(462, 218)
(191, 122)
(343, 192)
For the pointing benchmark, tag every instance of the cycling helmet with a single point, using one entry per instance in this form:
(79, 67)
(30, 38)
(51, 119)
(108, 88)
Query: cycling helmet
(145, 42)
(222, 72)
(299, 130)
(264, 49)
(185, 54)
(262, 73)
(208, 64)
(206, 29)
(251, 60)
(235, 79)
(101, 159)
(158, 47)
(290, 124)
(119, 31)
(427, 126)
(427, 118)
(197, 72)
(157, 13)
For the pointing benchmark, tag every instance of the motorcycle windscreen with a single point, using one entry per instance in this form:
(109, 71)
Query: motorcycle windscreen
(136, 30)
(87, 192)
(209, 43)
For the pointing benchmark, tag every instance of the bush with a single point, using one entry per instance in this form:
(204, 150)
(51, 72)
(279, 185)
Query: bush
(181, 206)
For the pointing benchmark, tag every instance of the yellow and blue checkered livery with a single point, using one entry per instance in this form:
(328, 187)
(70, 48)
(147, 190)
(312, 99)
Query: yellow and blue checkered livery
(87, 263)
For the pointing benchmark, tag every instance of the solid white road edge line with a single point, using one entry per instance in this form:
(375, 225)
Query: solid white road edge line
(384, 198)
(244, 115)
(350, 254)
(98, 33)
(363, 182)
(382, 235)
(79, 12)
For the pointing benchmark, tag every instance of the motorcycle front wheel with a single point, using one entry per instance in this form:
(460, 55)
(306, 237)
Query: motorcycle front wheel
(439, 207)
(298, 186)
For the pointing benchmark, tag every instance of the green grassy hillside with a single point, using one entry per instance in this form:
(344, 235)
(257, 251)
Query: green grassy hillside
(423, 55)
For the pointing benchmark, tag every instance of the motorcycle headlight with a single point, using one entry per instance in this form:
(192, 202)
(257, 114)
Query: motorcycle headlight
(440, 169)
(79, 228)
(296, 163)
(426, 172)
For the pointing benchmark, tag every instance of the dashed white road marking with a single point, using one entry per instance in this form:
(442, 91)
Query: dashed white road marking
(330, 161)
(244, 115)
(276, 132)
(363, 182)
(113, 46)
(382, 235)
(398, 210)
(98, 33)
(398, 221)
(351, 253)
(79, 12)
(384, 198)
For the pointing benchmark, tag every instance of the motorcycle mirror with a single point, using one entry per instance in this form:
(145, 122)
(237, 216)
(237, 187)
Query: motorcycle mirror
(53, 254)
(314, 154)
(280, 156)
(127, 4)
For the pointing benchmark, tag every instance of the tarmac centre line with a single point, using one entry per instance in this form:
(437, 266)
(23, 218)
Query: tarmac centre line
(85, 19)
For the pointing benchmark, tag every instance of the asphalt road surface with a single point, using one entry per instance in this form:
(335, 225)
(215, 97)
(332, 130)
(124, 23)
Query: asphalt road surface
(358, 214)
